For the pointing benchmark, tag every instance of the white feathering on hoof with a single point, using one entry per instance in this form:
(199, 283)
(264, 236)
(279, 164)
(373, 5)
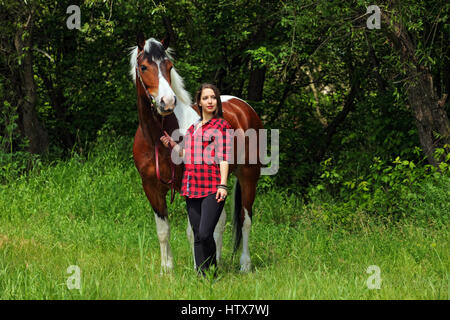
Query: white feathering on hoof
(163, 231)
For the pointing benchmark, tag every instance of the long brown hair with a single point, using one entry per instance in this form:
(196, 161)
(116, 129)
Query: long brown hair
(218, 113)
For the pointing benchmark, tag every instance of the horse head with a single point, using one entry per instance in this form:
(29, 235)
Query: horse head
(151, 68)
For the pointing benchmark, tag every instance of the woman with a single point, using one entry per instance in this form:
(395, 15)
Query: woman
(206, 153)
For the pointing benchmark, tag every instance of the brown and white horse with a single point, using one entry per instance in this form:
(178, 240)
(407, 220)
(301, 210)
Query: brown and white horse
(164, 105)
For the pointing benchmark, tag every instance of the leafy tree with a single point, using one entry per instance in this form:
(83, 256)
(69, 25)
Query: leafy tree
(17, 38)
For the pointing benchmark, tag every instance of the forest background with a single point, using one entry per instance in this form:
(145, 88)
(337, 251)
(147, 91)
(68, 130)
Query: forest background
(363, 117)
(361, 110)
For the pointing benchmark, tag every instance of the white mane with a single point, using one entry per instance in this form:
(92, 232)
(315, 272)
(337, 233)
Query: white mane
(186, 116)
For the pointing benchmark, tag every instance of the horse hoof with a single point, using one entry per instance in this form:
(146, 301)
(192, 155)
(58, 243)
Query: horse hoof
(166, 270)
(164, 273)
(246, 267)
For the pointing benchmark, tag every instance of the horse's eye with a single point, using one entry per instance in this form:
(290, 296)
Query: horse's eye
(143, 68)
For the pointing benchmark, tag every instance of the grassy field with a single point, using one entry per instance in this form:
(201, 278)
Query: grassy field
(92, 213)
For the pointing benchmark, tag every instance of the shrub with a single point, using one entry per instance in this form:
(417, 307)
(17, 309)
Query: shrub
(13, 163)
(388, 189)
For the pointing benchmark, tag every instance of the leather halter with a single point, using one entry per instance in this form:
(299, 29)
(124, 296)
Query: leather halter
(171, 182)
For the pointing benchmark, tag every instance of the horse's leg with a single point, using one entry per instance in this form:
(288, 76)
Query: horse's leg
(158, 203)
(218, 234)
(245, 260)
(247, 177)
(190, 235)
(163, 230)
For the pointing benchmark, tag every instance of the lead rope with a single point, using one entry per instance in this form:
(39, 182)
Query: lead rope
(150, 98)
(172, 168)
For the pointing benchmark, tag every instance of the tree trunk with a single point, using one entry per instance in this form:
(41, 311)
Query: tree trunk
(432, 122)
(51, 77)
(381, 83)
(256, 83)
(32, 129)
(431, 119)
(315, 92)
(169, 29)
(58, 102)
(287, 89)
(349, 105)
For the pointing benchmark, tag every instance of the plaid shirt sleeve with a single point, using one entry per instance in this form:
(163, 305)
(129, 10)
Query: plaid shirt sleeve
(222, 143)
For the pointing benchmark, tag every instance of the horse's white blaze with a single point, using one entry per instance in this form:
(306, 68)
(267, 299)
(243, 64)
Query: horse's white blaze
(245, 257)
(218, 234)
(163, 231)
(164, 89)
(190, 235)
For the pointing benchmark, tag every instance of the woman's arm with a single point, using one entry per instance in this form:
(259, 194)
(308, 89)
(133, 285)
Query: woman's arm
(223, 145)
(222, 189)
(223, 172)
(180, 150)
(168, 142)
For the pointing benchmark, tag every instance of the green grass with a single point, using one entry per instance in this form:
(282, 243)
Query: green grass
(93, 213)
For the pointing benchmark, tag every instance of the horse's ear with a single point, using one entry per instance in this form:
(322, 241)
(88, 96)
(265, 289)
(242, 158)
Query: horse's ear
(165, 42)
(140, 41)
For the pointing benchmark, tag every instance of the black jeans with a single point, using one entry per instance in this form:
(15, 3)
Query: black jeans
(203, 216)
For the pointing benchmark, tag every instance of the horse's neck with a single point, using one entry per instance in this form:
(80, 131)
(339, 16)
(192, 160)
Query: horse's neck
(149, 127)
(183, 117)
(186, 116)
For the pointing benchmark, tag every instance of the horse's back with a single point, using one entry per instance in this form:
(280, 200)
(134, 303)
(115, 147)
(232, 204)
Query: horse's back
(239, 113)
(247, 124)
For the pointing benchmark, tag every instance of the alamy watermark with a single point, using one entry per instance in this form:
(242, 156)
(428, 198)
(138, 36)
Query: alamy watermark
(74, 281)
(374, 281)
(256, 147)
(374, 21)
(74, 20)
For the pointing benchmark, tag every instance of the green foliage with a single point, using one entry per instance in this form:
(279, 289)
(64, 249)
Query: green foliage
(363, 191)
(8, 122)
(13, 163)
(312, 52)
(389, 190)
(91, 211)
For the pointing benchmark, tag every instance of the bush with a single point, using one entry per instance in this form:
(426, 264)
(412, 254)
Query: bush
(389, 190)
(13, 165)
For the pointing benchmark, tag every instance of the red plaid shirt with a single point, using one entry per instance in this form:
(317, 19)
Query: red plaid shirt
(204, 149)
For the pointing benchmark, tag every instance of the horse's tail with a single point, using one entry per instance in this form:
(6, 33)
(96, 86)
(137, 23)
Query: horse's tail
(237, 223)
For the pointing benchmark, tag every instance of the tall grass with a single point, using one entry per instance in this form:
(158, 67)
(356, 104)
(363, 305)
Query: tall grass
(91, 212)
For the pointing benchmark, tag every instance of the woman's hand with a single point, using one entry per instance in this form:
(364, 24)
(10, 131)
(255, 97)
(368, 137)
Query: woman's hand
(167, 141)
(221, 194)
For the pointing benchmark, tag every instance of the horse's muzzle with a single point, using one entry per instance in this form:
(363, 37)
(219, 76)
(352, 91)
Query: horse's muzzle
(166, 110)
(167, 105)
(165, 113)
